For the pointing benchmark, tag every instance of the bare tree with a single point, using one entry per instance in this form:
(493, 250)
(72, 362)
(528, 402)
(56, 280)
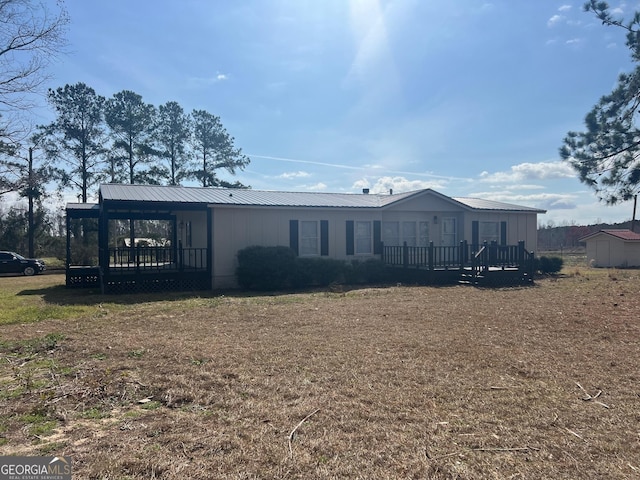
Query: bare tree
(30, 37)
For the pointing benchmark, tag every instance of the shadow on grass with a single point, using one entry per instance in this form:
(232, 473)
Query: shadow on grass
(61, 295)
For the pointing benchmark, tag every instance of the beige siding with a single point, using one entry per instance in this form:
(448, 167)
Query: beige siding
(520, 226)
(235, 228)
(632, 254)
(607, 251)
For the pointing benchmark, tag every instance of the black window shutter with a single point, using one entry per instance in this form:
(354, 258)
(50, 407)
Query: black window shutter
(324, 237)
(293, 235)
(475, 233)
(377, 237)
(350, 238)
(503, 233)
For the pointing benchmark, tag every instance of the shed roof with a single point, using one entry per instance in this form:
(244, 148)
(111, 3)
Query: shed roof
(249, 197)
(622, 234)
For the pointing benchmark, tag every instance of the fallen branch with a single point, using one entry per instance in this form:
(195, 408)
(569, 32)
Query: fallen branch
(290, 438)
(440, 457)
(505, 449)
(574, 433)
(588, 397)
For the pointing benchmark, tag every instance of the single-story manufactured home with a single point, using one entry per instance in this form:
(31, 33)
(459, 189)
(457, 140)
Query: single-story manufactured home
(613, 248)
(204, 228)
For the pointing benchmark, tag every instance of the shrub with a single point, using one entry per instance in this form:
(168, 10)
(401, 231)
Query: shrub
(266, 268)
(369, 271)
(277, 268)
(546, 265)
(318, 272)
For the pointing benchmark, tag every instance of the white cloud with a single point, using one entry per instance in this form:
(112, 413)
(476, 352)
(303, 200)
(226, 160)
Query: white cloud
(198, 82)
(574, 41)
(564, 8)
(397, 184)
(530, 171)
(315, 188)
(554, 20)
(298, 174)
(545, 201)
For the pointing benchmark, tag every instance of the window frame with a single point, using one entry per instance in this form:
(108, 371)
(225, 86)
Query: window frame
(357, 238)
(302, 238)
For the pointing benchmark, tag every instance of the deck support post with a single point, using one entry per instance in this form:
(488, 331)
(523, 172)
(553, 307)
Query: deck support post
(405, 255)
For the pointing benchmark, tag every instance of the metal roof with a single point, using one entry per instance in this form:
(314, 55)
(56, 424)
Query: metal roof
(83, 210)
(626, 235)
(248, 197)
(483, 204)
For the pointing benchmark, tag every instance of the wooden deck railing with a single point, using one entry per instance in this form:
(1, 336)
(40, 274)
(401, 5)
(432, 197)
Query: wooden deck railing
(477, 257)
(146, 259)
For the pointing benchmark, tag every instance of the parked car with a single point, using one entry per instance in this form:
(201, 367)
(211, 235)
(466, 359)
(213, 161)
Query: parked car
(11, 262)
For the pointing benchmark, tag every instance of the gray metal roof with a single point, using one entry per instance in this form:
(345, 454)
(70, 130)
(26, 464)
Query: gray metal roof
(245, 197)
(248, 197)
(483, 204)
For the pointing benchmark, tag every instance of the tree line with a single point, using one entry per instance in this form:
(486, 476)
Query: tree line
(123, 139)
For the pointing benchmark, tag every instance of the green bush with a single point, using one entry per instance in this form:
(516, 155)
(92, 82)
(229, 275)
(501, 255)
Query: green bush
(277, 268)
(369, 271)
(266, 268)
(546, 265)
(318, 272)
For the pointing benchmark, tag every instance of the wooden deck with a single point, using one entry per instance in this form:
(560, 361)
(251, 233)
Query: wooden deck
(145, 269)
(486, 264)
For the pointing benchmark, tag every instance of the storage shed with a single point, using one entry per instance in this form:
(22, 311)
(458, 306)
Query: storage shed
(613, 248)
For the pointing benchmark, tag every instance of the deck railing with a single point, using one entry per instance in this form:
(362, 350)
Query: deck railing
(144, 259)
(478, 257)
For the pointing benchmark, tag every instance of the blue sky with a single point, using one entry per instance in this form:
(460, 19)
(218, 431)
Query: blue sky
(468, 97)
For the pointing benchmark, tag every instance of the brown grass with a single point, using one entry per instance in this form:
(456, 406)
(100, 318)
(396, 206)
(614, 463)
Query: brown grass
(398, 382)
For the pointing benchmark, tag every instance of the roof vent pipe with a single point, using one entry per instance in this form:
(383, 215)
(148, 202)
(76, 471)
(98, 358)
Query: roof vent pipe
(365, 191)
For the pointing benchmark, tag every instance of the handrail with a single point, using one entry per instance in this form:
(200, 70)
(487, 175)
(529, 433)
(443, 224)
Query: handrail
(451, 257)
(156, 258)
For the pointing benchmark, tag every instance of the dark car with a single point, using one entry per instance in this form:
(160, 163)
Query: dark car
(11, 262)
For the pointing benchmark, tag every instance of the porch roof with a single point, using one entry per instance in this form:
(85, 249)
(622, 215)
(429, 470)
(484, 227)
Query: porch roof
(248, 197)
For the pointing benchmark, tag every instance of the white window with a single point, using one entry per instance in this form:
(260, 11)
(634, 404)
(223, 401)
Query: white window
(309, 238)
(363, 238)
(391, 233)
(409, 233)
(489, 232)
(414, 233)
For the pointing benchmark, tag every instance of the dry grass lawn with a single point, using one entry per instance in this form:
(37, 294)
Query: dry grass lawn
(373, 383)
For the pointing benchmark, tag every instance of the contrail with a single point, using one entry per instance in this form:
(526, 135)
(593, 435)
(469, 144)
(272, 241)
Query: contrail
(351, 167)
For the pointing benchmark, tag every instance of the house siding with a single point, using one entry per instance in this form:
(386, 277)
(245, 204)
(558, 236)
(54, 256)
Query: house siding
(235, 228)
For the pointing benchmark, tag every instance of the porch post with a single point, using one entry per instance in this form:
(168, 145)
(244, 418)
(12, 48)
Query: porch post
(405, 255)
(431, 265)
(210, 246)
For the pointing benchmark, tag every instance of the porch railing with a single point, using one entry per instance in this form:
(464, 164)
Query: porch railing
(143, 258)
(477, 257)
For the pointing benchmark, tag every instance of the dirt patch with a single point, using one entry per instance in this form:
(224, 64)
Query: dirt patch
(398, 382)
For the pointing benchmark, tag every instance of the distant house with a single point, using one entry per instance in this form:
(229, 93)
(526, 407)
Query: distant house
(613, 248)
(208, 226)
